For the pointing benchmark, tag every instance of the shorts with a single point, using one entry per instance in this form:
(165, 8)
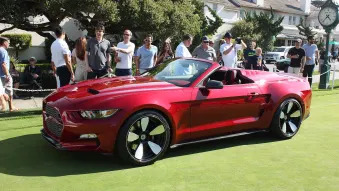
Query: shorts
(2, 90)
(7, 85)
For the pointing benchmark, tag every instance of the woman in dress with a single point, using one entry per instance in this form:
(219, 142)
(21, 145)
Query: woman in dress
(79, 57)
(166, 52)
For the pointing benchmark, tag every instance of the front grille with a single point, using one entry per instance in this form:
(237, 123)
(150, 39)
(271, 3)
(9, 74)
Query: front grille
(53, 120)
(54, 127)
(51, 111)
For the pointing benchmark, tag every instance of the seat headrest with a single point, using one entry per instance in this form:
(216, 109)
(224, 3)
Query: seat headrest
(230, 77)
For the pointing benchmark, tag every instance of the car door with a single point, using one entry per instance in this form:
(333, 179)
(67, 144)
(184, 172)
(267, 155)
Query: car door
(220, 111)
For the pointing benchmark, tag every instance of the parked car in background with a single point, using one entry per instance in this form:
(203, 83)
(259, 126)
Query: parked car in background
(283, 64)
(278, 53)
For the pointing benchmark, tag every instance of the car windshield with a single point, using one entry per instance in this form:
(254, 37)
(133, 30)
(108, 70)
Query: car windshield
(278, 50)
(179, 72)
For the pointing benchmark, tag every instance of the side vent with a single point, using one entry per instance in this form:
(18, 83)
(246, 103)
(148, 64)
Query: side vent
(93, 91)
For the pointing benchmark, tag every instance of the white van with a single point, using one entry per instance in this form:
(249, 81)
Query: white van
(278, 53)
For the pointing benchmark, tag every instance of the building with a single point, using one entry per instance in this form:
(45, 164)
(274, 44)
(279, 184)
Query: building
(293, 12)
(38, 42)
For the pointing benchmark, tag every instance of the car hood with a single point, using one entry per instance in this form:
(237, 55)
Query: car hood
(116, 86)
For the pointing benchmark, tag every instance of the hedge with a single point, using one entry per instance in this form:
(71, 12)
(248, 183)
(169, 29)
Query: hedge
(19, 41)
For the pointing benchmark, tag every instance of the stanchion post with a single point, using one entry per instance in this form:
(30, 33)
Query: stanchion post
(333, 77)
(325, 77)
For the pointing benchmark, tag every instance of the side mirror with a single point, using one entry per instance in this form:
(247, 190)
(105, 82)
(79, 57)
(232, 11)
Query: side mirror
(213, 84)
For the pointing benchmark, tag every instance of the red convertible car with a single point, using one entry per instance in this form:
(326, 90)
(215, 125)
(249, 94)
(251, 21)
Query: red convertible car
(179, 102)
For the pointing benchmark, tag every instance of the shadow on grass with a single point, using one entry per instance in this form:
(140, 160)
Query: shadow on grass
(30, 155)
(251, 139)
(24, 113)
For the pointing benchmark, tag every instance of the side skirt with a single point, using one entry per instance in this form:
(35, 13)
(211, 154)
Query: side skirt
(218, 138)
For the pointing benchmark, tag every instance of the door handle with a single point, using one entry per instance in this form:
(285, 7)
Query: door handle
(252, 95)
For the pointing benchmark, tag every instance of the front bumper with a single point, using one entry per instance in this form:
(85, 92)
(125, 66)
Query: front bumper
(66, 130)
(84, 145)
(52, 141)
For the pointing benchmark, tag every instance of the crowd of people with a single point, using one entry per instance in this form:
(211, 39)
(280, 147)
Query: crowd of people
(304, 58)
(92, 58)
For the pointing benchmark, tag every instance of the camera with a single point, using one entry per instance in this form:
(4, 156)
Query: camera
(238, 40)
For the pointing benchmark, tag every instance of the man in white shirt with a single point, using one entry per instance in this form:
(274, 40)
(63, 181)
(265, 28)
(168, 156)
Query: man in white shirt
(61, 58)
(229, 50)
(123, 55)
(182, 52)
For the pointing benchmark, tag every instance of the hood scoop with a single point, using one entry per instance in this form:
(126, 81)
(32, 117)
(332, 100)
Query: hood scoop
(92, 91)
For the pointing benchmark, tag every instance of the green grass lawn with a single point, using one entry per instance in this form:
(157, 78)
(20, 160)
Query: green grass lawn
(308, 162)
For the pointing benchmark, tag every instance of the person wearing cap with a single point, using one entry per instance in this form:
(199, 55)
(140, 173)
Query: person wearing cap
(297, 56)
(32, 73)
(229, 50)
(312, 59)
(204, 51)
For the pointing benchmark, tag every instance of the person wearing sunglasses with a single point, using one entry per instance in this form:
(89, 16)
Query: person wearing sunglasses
(123, 55)
(146, 56)
(204, 51)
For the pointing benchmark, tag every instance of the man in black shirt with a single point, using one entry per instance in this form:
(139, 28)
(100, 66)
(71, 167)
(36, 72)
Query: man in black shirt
(298, 59)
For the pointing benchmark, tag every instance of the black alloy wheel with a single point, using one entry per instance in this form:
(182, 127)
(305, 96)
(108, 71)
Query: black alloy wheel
(144, 138)
(287, 119)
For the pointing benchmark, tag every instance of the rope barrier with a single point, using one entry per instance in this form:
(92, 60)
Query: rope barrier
(323, 73)
(50, 90)
(110, 75)
(38, 90)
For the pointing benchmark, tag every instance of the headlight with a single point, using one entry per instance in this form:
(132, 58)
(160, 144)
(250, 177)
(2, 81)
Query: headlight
(98, 114)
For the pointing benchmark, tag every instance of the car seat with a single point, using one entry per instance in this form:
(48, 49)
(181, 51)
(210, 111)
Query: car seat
(230, 77)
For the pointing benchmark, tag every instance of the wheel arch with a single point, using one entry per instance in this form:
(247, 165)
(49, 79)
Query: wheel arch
(280, 100)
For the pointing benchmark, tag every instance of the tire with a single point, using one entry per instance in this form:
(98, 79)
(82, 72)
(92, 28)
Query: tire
(287, 119)
(144, 138)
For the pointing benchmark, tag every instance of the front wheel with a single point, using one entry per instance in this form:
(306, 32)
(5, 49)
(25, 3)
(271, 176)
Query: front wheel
(287, 119)
(144, 138)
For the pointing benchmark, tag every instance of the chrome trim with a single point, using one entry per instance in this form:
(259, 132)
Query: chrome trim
(217, 138)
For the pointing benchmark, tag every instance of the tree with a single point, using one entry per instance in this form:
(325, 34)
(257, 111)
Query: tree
(19, 42)
(19, 13)
(162, 18)
(267, 26)
(305, 30)
(166, 18)
(209, 26)
(245, 30)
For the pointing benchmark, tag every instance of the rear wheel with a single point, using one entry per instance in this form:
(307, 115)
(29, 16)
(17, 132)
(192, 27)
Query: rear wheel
(287, 119)
(144, 138)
